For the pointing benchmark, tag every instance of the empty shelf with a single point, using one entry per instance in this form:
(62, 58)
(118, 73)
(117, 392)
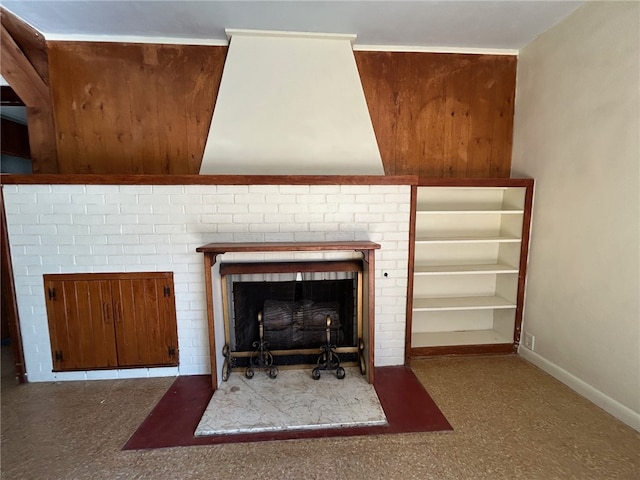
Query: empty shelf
(461, 303)
(467, 337)
(463, 269)
(467, 239)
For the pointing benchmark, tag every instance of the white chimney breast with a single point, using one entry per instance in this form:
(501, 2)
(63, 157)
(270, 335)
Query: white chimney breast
(291, 104)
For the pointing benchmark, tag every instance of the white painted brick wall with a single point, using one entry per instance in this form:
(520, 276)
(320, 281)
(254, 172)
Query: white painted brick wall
(134, 228)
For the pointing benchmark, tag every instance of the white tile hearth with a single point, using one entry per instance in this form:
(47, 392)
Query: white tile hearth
(292, 401)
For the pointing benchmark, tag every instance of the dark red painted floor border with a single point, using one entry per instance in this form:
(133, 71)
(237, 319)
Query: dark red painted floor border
(408, 407)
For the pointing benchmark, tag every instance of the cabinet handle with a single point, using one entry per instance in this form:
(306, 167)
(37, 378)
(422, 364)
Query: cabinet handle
(105, 312)
(117, 313)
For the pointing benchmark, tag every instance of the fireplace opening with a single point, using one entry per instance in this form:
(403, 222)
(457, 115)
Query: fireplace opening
(296, 303)
(294, 313)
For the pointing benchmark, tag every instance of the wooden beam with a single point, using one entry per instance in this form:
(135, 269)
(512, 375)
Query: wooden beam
(42, 140)
(30, 41)
(25, 66)
(20, 73)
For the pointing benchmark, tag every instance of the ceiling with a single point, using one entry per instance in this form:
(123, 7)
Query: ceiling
(394, 24)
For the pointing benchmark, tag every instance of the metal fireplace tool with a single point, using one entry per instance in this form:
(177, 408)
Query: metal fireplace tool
(261, 358)
(328, 359)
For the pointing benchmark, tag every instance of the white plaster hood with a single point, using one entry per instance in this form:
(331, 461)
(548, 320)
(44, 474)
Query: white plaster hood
(291, 104)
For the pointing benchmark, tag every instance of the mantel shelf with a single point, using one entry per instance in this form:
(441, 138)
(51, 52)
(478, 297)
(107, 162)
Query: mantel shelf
(220, 248)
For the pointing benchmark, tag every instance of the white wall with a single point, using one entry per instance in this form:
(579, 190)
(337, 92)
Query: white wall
(576, 132)
(125, 228)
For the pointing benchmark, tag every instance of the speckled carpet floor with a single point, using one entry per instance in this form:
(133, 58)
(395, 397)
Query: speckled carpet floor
(510, 421)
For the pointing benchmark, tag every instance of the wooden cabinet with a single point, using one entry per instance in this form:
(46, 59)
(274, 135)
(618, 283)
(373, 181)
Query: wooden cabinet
(111, 320)
(470, 243)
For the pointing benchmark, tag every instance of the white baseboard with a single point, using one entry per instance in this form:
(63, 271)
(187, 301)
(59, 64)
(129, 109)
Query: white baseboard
(608, 404)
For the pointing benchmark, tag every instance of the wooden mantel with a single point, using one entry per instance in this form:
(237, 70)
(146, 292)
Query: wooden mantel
(250, 247)
(212, 250)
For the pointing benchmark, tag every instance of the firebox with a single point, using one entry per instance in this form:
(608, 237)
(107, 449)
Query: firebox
(290, 310)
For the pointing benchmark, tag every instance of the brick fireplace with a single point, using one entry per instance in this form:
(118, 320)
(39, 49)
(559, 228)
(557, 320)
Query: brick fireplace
(82, 223)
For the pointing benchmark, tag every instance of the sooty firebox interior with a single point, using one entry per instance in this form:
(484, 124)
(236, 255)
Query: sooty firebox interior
(294, 313)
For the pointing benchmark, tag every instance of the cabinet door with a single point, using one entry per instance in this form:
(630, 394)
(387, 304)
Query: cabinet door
(81, 324)
(145, 319)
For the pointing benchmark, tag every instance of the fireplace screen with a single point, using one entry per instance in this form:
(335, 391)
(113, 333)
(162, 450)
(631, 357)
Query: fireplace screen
(295, 308)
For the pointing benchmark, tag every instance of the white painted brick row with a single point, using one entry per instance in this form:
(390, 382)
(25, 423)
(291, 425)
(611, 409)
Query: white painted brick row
(135, 228)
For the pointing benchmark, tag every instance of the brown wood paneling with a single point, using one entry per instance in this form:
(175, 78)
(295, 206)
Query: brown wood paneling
(133, 108)
(441, 115)
(380, 86)
(139, 108)
(502, 133)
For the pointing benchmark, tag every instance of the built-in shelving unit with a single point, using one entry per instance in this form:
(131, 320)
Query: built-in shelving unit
(468, 264)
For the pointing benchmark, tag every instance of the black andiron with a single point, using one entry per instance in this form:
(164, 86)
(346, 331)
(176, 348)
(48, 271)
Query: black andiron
(328, 359)
(226, 366)
(261, 358)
